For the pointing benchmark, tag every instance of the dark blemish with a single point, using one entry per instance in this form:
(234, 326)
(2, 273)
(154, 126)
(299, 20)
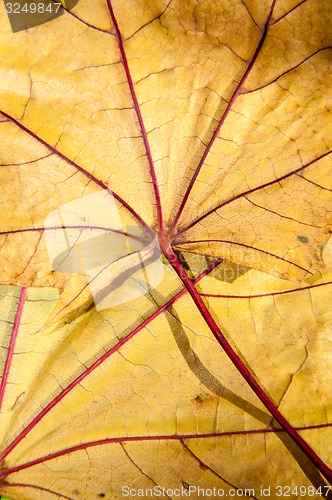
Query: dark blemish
(185, 485)
(101, 495)
(202, 466)
(302, 239)
(182, 259)
(198, 399)
(75, 492)
(202, 400)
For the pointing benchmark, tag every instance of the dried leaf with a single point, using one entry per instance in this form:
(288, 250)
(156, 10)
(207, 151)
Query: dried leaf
(165, 251)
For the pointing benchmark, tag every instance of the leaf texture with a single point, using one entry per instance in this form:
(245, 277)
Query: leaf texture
(206, 127)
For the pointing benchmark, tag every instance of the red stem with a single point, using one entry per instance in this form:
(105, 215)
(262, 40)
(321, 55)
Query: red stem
(261, 187)
(34, 486)
(157, 437)
(77, 167)
(269, 294)
(267, 402)
(98, 362)
(138, 114)
(224, 116)
(12, 343)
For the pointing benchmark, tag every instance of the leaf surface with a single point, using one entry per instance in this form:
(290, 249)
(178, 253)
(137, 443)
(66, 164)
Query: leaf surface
(203, 356)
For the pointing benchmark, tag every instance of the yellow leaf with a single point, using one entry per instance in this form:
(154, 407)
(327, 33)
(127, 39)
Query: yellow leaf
(165, 260)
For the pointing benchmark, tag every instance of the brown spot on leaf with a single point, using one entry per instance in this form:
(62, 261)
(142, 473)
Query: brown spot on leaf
(302, 239)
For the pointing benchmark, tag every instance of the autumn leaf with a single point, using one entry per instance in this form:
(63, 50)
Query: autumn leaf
(166, 251)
